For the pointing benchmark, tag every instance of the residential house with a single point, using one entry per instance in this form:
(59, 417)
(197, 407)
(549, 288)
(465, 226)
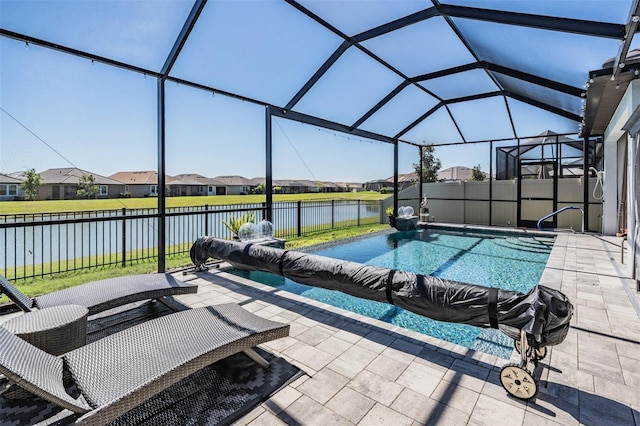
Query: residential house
(291, 186)
(342, 187)
(236, 185)
(194, 184)
(63, 184)
(377, 185)
(455, 173)
(142, 183)
(10, 188)
(328, 186)
(406, 180)
(351, 186)
(448, 174)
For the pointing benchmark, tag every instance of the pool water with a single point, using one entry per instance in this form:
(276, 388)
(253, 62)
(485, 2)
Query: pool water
(506, 260)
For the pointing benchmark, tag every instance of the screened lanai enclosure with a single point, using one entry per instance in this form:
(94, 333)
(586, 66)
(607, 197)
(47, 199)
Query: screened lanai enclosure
(329, 91)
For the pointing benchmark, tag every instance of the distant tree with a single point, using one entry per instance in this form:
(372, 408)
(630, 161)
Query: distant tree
(87, 187)
(430, 165)
(31, 184)
(477, 174)
(277, 189)
(259, 189)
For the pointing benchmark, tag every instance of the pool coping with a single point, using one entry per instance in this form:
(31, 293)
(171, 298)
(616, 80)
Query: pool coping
(440, 225)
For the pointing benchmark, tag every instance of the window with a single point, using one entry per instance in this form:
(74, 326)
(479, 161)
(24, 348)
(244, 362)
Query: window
(104, 190)
(210, 189)
(154, 189)
(13, 189)
(3, 189)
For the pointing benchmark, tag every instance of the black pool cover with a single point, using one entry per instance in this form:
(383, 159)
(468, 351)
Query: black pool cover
(543, 313)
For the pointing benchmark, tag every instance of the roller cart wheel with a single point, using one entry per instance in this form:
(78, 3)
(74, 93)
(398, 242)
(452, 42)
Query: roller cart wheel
(518, 346)
(518, 382)
(540, 352)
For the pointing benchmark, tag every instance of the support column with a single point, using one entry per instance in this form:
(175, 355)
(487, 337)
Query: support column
(633, 179)
(585, 180)
(420, 152)
(161, 180)
(610, 188)
(395, 178)
(490, 183)
(269, 164)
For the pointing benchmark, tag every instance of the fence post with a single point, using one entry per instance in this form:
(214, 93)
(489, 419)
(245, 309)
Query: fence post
(206, 219)
(299, 218)
(358, 212)
(124, 237)
(333, 209)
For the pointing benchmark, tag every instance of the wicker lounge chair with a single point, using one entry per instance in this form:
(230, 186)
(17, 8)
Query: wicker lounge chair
(98, 296)
(119, 372)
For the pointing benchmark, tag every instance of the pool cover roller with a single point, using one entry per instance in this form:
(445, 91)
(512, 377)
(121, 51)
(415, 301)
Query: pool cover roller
(543, 313)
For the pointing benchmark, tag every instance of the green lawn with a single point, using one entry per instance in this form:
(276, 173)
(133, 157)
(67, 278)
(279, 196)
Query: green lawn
(58, 281)
(49, 283)
(55, 206)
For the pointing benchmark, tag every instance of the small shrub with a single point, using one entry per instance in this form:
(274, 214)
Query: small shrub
(235, 222)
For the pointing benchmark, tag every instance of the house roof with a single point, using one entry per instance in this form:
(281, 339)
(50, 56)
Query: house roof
(455, 173)
(8, 179)
(148, 177)
(234, 180)
(195, 179)
(71, 176)
(604, 93)
(304, 183)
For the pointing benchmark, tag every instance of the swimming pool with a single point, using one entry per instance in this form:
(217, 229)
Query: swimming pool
(511, 261)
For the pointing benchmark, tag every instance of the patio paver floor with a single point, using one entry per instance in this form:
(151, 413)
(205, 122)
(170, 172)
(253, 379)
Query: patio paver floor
(366, 372)
(361, 371)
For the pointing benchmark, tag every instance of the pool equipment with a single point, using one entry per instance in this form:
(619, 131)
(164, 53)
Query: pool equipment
(535, 320)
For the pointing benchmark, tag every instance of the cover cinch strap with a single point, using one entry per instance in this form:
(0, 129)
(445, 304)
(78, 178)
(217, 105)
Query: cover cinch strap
(492, 303)
(284, 253)
(389, 288)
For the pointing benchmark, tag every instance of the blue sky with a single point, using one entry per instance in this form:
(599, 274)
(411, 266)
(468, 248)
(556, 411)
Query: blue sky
(62, 111)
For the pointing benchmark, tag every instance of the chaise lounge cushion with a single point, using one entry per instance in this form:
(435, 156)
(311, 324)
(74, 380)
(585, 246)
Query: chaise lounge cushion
(121, 371)
(98, 296)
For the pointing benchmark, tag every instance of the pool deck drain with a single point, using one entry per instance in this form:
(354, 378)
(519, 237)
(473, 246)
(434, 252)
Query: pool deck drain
(366, 372)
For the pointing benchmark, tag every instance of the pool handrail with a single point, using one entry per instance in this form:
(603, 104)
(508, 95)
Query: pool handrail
(558, 212)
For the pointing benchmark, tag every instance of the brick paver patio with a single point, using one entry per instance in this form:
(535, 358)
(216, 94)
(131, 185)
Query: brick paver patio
(366, 372)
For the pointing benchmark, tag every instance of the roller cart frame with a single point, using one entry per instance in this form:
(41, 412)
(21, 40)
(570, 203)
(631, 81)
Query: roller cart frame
(517, 379)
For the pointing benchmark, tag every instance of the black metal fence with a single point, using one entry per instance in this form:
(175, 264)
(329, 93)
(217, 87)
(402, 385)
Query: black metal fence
(50, 243)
